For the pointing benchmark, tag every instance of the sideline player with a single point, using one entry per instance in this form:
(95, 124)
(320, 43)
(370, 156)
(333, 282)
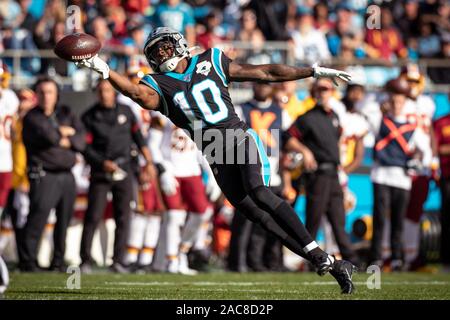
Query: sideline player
(180, 166)
(193, 93)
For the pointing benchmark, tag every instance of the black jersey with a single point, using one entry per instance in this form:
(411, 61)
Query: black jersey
(197, 99)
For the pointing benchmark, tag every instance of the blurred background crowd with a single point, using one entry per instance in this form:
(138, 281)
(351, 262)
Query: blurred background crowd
(375, 41)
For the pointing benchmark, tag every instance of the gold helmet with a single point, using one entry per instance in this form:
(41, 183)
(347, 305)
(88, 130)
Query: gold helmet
(415, 78)
(5, 76)
(137, 70)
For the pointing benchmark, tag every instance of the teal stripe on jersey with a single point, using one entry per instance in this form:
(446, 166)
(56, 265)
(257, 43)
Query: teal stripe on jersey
(148, 80)
(262, 156)
(187, 75)
(217, 63)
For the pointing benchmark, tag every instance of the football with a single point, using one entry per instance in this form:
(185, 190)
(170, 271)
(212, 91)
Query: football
(77, 46)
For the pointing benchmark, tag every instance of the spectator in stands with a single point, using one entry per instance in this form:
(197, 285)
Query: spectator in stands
(55, 11)
(387, 42)
(321, 19)
(272, 17)
(178, 16)
(441, 74)
(442, 19)
(136, 6)
(250, 34)
(14, 37)
(344, 35)
(408, 23)
(310, 45)
(51, 66)
(116, 17)
(428, 43)
(52, 135)
(25, 20)
(99, 29)
(136, 37)
(209, 38)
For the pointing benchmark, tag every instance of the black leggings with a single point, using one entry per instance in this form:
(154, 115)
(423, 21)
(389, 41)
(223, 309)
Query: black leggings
(244, 186)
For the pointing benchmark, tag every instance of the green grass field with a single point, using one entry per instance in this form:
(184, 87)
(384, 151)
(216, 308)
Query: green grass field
(224, 286)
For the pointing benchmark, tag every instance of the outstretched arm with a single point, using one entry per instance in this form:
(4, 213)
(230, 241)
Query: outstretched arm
(280, 72)
(145, 96)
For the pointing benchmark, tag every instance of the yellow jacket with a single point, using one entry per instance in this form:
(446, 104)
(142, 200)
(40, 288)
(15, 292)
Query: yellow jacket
(295, 108)
(19, 178)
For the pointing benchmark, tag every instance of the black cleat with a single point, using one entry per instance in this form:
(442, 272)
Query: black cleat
(342, 271)
(325, 265)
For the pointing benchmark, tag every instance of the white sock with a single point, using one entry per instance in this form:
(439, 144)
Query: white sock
(151, 239)
(175, 221)
(190, 231)
(135, 237)
(411, 238)
(203, 238)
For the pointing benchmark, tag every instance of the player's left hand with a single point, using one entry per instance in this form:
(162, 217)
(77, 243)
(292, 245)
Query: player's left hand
(212, 189)
(95, 63)
(333, 74)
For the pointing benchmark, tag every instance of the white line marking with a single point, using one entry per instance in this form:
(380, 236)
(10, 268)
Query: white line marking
(247, 284)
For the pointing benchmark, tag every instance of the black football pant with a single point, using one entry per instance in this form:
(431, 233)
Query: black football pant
(122, 193)
(393, 202)
(445, 220)
(324, 196)
(54, 190)
(245, 181)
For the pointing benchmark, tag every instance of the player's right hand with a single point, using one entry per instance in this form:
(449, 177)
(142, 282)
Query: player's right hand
(95, 63)
(169, 183)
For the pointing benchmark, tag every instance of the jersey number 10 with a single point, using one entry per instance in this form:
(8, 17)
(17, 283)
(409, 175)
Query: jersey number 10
(207, 114)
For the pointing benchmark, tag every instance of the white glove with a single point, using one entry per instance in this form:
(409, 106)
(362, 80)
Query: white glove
(320, 72)
(95, 63)
(169, 183)
(212, 189)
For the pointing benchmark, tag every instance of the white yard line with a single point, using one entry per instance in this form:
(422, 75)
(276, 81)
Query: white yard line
(247, 284)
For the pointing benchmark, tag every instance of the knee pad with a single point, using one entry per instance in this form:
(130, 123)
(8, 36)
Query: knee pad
(262, 195)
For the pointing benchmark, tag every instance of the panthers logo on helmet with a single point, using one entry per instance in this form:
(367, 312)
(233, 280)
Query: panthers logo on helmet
(173, 38)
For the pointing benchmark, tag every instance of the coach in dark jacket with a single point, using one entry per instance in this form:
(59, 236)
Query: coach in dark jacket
(112, 129)
(52, 135)
(316, 135)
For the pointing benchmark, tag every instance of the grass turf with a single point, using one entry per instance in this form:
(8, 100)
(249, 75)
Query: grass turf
(222, 286)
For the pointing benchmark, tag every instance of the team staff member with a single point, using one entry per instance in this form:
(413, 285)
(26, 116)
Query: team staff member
(52, 135)
(398, 140)
(112, 129)
(442, 133)
(316, 135)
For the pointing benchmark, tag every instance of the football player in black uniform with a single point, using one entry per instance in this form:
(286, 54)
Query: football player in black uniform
(192, 91)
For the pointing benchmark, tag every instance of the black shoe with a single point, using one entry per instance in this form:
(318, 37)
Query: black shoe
(118, 268)
(86, 268)
(58, 267)
(62, 268)
(342, 271)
